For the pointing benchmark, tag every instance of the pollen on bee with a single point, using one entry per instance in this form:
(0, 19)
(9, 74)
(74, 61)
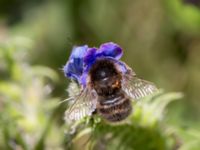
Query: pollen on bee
(116, 84)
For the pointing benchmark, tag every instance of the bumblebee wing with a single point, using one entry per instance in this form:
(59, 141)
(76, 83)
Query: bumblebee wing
(83, 105)
(135, 87)
(73, 89)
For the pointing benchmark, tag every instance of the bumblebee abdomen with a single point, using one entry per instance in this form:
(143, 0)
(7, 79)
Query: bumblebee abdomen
(115, 110)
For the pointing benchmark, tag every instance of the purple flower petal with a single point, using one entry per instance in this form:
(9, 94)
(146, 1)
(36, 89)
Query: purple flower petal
(74, 67)
(78, 51)
(110, 49)
(90, 57)
(83, 79)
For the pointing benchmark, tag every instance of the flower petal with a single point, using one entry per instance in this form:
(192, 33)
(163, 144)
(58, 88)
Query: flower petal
(74, 67)
(78, 51)
(110, 49)
(90, 57)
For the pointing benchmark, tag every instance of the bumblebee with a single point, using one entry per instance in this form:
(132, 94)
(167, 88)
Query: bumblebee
(106, 84)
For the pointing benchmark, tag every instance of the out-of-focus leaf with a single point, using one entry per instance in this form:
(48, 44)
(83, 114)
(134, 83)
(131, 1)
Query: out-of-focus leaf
(45, 72)
(10, 90)
(184, 15)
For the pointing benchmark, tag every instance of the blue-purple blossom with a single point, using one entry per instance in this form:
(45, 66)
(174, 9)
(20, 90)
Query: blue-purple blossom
(82, 58)
(74, 67)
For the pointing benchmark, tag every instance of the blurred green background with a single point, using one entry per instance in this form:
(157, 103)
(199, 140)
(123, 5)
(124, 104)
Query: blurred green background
(161, 42)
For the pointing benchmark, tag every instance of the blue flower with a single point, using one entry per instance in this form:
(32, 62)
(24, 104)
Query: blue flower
(74, 67)
(82, 58)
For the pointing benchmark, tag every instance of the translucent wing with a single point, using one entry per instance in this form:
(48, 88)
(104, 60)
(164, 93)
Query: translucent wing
(83, 105)
(73, 89)
(137, 88)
